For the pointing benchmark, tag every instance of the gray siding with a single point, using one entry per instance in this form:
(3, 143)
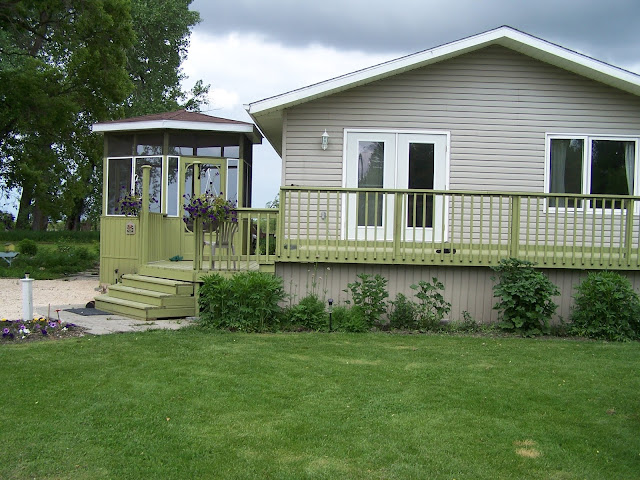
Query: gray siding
(497, 104)
(466, 288)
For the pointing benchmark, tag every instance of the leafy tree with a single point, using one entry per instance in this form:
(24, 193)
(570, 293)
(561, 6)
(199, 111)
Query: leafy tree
(162, 30)
(65, 65)
(62, 66)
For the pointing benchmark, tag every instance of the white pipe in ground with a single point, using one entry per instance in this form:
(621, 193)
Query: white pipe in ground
(27, 297)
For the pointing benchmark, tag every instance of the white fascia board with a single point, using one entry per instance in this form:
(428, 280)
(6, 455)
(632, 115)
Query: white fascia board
(172, 125)
(504, 36)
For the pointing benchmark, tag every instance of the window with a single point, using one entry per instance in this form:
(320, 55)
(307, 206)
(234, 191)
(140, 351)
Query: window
(591, 165)
(124, 176)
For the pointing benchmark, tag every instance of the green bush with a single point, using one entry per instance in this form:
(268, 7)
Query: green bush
(308, 314)
(525, 297)
(51, 263)
(247, 301)
(432, 307)
(349, 319)
(369, 294)
(404, 313)
(606, 307)
(66, 236)
(28, 247)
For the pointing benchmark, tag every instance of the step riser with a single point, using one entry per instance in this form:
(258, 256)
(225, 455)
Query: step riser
(185, 276)
(171, 289)
(175, 301)
(145, 314)
(122, 310)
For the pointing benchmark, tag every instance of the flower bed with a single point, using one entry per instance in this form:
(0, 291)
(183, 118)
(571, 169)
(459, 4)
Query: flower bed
(40, 328)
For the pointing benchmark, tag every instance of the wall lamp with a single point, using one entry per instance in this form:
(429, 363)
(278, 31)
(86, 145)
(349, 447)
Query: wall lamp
(325, 140)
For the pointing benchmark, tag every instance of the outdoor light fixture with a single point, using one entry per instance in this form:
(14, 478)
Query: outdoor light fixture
(330, 311)
(325, 139)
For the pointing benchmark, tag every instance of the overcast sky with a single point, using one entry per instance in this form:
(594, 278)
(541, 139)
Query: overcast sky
(253, 49)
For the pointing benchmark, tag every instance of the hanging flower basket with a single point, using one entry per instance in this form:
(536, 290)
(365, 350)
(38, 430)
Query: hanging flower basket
(212, 209)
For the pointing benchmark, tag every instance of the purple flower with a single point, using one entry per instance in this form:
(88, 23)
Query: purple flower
(44, 332)
(5, 332)
(52, 324)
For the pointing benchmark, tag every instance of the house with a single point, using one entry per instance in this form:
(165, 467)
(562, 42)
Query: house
(443, 162)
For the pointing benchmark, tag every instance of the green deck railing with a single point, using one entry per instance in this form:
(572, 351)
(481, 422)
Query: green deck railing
(432, 227)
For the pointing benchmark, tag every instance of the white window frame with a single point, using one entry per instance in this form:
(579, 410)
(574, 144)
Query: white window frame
(588, 138)
(133, 159)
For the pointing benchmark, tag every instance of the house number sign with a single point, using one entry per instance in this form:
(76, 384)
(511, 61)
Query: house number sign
(130, 229)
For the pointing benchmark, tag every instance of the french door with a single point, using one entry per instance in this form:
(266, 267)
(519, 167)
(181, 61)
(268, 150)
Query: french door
(388, 160)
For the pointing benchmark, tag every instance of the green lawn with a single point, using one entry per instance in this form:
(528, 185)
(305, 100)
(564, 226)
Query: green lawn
(191, 405)
(53, 260)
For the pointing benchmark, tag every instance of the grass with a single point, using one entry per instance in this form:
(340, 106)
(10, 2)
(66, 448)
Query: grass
(187, 404)
(53, 261)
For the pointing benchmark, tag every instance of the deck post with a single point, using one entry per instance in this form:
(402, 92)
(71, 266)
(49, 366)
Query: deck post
(514, 223)
(144, 215)
(397, 226)
(280, 224)
(628, 230)
(198, 233)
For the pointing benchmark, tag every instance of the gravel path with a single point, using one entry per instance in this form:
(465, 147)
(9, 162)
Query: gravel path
(64, 292)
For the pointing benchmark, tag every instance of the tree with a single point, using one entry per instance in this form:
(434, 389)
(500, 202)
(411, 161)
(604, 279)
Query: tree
(62, 66)
(65, 65)
(162, 30)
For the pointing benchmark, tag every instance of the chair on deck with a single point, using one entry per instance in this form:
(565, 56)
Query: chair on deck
(224, 239)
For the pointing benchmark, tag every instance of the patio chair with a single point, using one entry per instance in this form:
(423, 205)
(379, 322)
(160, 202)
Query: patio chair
(224, 239)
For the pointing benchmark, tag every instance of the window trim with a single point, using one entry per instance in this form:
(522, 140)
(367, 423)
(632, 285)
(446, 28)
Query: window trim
(133, 159)
(588, 138)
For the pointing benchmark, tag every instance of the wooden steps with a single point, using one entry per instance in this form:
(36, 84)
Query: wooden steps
(147, 297)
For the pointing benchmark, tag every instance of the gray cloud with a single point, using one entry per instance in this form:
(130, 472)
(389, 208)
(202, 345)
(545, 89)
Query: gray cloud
(606, 30)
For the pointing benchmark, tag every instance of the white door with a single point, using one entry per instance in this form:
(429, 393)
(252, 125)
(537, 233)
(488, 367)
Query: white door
(388, 160)
(370, 164)
(422, 165)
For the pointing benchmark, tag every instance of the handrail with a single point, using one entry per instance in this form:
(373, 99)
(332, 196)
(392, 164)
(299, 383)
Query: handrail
(457, 227)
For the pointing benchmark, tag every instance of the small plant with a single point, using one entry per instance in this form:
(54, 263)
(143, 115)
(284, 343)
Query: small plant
(606, 307)
(28, 247)
(349, 319)
(404, 313)
(209, 207)
(246, 302)
(309, 314)
(129, 204)
(525, 297)
(38, 328)
(369, 294)
(432, 307)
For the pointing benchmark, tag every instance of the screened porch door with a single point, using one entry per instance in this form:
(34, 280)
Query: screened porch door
(210, 178)
(381, 160)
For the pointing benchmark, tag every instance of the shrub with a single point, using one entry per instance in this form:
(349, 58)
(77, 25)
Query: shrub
(369, 294)
(468, 324)
(606, 307)
(246, 302)
(525, 297)
(49, 236)
(432, 307)
(349, 319)
(28, 247)
(404, 313)
(309, 314)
